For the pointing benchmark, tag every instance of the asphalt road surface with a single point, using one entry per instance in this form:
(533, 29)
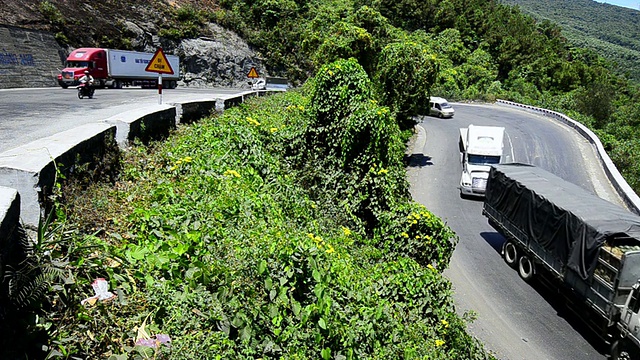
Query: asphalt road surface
(30, 114)
(515, 320)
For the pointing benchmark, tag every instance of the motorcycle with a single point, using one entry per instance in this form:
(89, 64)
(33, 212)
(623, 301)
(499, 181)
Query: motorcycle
(85, 90)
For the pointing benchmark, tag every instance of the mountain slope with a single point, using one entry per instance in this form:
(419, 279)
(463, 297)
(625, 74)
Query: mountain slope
(611, 31)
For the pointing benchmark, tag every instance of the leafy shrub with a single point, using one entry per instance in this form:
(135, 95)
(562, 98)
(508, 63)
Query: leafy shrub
(51, 13)
(406, 70)
(214, 241)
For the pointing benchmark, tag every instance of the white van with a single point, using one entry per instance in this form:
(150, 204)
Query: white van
(440, 107)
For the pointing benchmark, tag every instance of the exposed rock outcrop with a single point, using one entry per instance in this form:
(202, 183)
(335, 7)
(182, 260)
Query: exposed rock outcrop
(223, 60)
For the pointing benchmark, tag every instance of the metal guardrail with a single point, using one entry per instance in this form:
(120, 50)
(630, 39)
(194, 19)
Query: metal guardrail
(625, 191)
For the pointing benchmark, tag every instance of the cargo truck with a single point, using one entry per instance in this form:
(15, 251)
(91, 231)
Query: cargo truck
(480, 146)
(116, 68)
(585, 248)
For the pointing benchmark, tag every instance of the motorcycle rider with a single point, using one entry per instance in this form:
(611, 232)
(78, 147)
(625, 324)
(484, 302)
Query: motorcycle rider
(87, 80)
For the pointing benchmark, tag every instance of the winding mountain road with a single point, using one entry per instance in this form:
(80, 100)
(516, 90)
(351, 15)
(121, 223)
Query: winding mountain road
(30, 114)
(515, 320)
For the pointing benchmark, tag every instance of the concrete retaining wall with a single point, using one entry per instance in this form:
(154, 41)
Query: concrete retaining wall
(28, 58)
(27, 173)
(629, 196)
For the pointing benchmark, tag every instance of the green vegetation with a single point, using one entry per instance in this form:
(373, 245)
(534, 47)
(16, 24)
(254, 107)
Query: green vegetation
(611, 31)
(463, 50)
(253, 234)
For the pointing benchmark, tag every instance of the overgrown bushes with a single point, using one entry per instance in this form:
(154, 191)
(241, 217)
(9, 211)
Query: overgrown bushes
(225, 241)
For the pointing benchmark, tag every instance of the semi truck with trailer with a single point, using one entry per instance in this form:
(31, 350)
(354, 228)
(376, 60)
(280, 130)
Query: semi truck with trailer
(584, 247)
(116, 68)
(480, 147)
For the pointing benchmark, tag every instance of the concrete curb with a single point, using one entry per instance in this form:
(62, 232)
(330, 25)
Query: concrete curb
(28, 172)
(9, 212)
(630, 198)
(31, 169)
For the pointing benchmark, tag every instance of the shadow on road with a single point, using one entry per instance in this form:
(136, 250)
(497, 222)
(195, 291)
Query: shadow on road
(494, 239)
(548, 288)
(417, 160)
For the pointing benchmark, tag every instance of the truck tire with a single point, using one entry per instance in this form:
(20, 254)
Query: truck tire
(526, 268)
(510, 254)
(620, 350)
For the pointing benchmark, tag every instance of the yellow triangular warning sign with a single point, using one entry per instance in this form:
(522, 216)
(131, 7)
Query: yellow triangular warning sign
(253, 73)
(159, 63)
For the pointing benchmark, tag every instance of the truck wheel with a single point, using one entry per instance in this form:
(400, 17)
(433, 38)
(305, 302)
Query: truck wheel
(510, 254)
(620, 351)
(526, 269)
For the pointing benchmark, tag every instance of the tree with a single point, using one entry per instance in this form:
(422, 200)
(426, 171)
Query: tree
(405, 73)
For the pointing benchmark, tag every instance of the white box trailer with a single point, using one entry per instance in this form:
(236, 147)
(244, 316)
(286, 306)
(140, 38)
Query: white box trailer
(129, 67)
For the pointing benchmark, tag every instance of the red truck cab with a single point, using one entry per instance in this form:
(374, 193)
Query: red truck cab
(92, 59)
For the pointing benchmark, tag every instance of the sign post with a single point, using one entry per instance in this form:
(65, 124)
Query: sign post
(159, 64)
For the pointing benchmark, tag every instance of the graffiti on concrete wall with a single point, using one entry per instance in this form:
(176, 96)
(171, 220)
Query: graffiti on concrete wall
(7, 58)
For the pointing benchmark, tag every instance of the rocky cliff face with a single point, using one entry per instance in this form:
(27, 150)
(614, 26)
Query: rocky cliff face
(223, 59)
(218, 57)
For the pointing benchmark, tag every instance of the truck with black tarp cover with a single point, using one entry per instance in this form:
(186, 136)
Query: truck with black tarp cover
(584, 246)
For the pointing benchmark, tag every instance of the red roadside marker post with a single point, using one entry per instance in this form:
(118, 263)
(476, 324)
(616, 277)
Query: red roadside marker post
(159, 64)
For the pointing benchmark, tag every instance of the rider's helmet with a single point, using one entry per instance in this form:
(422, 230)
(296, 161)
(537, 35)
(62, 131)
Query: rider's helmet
(86, 72)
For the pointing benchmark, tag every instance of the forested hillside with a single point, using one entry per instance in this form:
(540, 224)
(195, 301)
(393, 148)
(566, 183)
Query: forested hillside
(611, 31)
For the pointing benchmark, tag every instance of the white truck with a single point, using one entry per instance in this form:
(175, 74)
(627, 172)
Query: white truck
(480, 147)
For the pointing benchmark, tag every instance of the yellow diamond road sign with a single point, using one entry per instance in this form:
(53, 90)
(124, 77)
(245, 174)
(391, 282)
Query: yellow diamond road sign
(253, 73)
(159, 63)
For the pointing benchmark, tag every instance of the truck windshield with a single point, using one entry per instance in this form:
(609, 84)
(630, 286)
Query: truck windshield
(483, 159)
(77, 64)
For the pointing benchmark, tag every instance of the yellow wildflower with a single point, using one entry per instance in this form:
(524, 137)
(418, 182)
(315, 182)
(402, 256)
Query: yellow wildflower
(445, 323)
(273, 129)
(404, 234)
(253, 121)
(439, 342)
(178, 162)
(431, 267)
(346, 231)
(231, 173)
(382, 171)
(330, 249)
(187, 159)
